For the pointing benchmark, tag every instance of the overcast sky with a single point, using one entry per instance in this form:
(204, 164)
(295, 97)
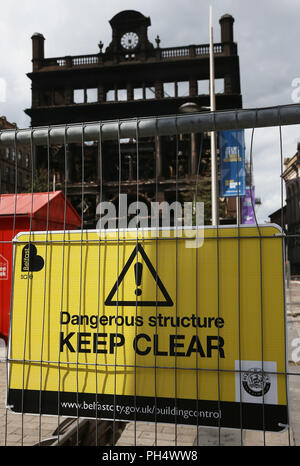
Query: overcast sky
(267, 33)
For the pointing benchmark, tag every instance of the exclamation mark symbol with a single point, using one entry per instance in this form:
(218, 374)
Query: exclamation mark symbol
(138, 271)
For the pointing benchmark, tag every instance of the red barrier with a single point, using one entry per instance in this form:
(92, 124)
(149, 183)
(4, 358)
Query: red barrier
(25, 212)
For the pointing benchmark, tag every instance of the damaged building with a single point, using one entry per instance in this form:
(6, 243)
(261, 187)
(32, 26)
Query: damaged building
(132, 77)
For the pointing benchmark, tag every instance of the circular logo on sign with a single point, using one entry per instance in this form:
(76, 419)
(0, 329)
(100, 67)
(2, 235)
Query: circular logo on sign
(255, 382)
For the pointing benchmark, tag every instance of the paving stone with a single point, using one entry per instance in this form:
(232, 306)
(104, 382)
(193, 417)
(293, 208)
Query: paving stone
(269, 439)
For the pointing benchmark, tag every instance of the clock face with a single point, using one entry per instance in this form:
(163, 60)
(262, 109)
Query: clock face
(129, 40)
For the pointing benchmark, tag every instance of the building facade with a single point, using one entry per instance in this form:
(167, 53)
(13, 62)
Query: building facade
(15, 164)
(132, 77)
(291, 211)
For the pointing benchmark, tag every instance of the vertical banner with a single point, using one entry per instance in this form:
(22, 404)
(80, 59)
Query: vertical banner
(232, 163)
(248, 206)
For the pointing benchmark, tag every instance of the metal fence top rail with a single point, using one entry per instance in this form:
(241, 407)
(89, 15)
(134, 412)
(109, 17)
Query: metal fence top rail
(154, 126)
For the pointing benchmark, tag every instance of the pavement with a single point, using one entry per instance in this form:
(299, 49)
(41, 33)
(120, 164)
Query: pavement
(26, 430)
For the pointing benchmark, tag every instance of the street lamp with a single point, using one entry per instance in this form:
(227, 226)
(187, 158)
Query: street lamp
(213, 143)
(191, 107)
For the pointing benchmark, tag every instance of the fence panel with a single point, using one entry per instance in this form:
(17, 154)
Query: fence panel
(127, 318)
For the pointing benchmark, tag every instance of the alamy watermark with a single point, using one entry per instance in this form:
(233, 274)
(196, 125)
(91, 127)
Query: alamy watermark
(296, 351)
(163, 219)
(2, 90)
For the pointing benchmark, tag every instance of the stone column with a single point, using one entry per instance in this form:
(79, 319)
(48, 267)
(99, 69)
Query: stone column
(101, 93)
(68, 165)
(158, 158)
(129, 92)
(194, 155)
(159, 90)
(193, 87)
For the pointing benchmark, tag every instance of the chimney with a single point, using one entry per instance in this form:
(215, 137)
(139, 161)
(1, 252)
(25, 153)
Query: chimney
(226, 22)
(37, 50)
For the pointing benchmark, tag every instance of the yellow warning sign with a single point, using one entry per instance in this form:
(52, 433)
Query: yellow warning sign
(110, 326)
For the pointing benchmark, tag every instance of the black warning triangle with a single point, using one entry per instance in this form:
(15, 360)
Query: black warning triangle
(167, 302)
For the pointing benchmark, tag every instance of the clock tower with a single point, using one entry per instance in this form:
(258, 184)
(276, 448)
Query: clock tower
(131, 78)
(129, 36)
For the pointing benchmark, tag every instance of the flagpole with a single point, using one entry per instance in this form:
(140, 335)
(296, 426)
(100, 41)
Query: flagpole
(214, 169)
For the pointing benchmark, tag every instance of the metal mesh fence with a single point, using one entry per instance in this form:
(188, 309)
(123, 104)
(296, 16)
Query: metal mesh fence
(139, 331)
